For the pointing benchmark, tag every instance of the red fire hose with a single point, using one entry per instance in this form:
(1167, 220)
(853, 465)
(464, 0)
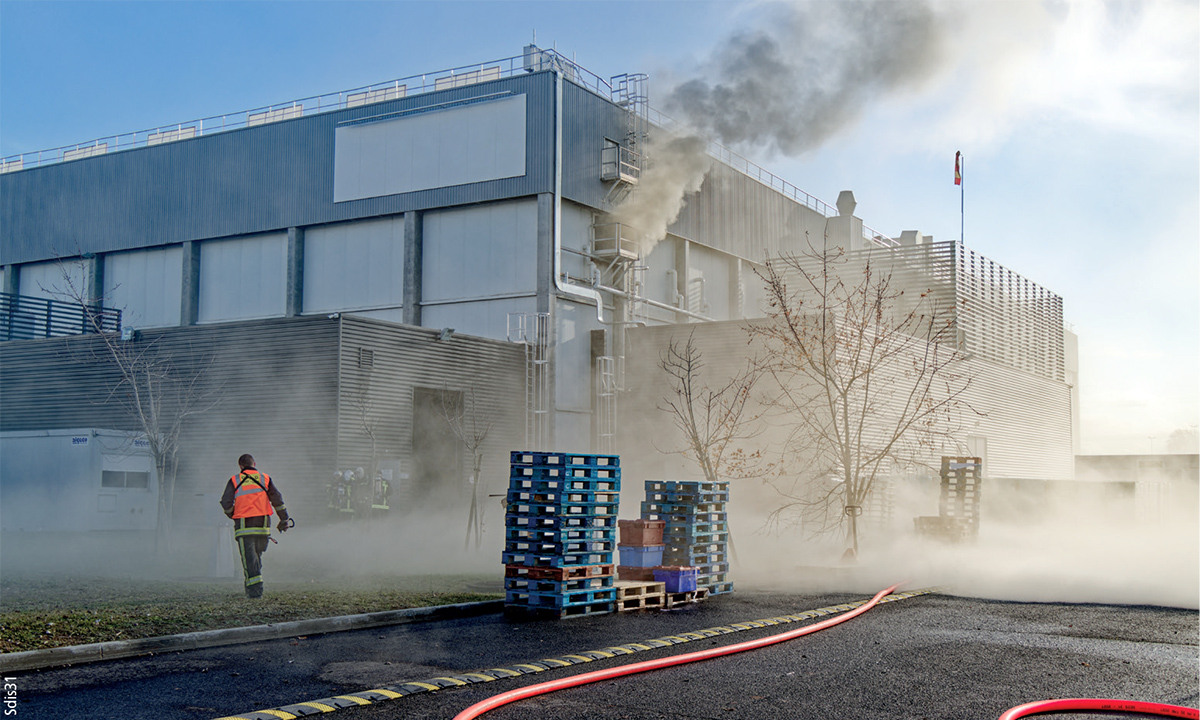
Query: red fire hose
(496, 701)
(1124, 706)
(1033, 708)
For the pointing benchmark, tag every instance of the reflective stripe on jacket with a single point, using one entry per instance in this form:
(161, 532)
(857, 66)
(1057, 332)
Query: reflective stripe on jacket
(250, 494)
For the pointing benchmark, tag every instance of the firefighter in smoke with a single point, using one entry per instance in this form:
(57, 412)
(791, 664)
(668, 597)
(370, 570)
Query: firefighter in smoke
(381, 493)
(248, 499)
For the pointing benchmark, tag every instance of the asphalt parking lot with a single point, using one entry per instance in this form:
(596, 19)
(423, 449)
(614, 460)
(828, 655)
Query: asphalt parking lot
(929, 656)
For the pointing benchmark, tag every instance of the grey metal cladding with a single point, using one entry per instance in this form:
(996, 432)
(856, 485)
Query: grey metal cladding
(250, 180)
(273, 382)
(587, 120)
(404, 357)
(740, 215)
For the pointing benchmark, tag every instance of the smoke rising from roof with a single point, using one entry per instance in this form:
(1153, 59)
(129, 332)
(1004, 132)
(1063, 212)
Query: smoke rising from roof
(790, 86)
(784, 88)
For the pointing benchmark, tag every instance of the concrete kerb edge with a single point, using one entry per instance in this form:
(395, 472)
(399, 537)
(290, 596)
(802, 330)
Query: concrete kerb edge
(112, 650)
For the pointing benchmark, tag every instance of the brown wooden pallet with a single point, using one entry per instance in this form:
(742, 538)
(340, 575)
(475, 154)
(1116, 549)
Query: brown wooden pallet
(635, 595)
(685, 598)
(566, 572)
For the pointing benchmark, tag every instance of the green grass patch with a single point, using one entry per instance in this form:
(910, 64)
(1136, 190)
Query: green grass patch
(47, 612)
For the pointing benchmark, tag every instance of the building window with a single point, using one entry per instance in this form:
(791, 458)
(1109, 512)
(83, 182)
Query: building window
(122, 479)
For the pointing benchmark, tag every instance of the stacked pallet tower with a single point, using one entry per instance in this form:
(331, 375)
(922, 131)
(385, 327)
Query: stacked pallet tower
(959, 500)
(696, 530)
(560, 533)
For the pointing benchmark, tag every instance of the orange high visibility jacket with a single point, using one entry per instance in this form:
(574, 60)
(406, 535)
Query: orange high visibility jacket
(250, 497)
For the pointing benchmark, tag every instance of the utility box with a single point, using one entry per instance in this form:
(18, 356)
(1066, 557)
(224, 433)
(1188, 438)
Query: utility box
(77, 480)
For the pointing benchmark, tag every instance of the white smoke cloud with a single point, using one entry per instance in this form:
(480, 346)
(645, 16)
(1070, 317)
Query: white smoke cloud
(785, 87)
(809, 72)
(678, 167)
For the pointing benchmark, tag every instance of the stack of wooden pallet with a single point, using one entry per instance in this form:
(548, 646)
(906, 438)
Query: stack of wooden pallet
(560, 533)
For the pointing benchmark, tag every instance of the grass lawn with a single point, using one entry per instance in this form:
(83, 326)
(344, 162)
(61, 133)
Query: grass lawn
(53, 611)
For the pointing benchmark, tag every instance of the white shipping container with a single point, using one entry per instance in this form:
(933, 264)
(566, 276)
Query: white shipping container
(76, 480)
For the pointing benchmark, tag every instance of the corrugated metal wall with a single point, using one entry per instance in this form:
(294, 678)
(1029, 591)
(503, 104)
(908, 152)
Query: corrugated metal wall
(251, 180)
(1025, 418)
(283, 391)
(742, 216)
(382, 363)
(274, 385)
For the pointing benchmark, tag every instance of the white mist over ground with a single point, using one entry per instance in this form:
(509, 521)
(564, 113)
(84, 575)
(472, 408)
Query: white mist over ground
(1061, 548)
(418, 543)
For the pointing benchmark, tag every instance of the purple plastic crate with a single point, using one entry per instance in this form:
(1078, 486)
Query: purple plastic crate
(640, 556)
(677, 578)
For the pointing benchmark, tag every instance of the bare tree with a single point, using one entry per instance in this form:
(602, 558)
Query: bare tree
(471, 424)
(868, 378)
(160, 390)
(712, 419)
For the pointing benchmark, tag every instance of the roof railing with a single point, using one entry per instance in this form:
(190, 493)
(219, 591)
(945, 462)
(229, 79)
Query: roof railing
(25, 317)
(766, 177)
(532, 60)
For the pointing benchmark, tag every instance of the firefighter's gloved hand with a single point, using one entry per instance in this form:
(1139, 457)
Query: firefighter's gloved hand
(283, 521)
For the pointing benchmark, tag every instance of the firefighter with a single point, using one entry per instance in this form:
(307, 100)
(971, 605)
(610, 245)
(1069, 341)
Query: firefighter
(248, 499)
(381, 492)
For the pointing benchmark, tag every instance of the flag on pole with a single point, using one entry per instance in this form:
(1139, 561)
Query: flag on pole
(957, 168)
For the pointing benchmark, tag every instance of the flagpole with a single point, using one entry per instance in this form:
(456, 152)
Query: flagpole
(959, 166)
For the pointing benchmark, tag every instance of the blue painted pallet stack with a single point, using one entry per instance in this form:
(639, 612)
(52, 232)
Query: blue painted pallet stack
(696, 532)
(560, 533)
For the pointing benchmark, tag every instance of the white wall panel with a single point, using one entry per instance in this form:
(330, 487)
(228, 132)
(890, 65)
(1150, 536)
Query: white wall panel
(53, 280)
(573, 356)
(145, 286)
(243, 278)
(576, 235)
(479, 251)
(708, 282)
(754, 292)
(459, 145)
(354, 266)
(487, 319)
(658, 280)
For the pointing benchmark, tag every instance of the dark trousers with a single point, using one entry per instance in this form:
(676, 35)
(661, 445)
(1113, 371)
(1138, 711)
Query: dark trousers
(251, 546)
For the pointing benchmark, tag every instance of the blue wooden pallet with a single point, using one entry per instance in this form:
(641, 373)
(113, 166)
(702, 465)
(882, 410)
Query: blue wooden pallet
(559, 522)
(655, 510)
(534, 599)
(685, 537)
(533, 457)
(718, 588)
(559, 535)
(689, 485)
(565, 509)
(539, 560)
(692, 559)
(562, 497)
(559, 548)
(681, 519)
(563, 483)
(712, 568)
(696, 549)
(525, 612)
(685, 498)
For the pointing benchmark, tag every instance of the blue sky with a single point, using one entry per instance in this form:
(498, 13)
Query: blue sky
(1078, 121)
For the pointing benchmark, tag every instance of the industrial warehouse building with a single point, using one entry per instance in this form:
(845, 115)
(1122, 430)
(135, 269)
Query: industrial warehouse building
(344, 268)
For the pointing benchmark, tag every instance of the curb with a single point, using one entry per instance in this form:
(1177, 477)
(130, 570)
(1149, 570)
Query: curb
(95, 652)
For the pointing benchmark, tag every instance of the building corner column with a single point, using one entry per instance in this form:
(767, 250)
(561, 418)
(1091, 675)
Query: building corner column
(294, 292)
(189, 307)
(414, 238)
